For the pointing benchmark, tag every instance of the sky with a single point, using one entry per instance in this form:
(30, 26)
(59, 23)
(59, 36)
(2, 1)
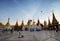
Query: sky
(28, 9)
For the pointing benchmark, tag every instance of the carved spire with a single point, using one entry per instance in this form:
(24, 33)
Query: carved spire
(54, 21)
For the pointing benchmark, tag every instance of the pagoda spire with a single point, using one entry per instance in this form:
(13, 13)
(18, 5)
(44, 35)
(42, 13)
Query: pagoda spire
(33, 23)
(16, 23)
(22, 24)
(38, 22)
(49, 23)
(8, 23)
(54, 20)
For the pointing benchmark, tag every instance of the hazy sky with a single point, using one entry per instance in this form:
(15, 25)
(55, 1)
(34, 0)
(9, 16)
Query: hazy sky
(28, 9)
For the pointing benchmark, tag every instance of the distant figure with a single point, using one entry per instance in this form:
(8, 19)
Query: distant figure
(19, 33)
(20, 36)
(11, 30)
(56, 29)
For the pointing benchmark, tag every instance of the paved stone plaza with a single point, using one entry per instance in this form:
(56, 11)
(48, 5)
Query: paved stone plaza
(31, 36)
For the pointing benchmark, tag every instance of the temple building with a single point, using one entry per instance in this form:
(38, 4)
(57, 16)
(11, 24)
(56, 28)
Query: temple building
(55, 24)
(8, 26)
